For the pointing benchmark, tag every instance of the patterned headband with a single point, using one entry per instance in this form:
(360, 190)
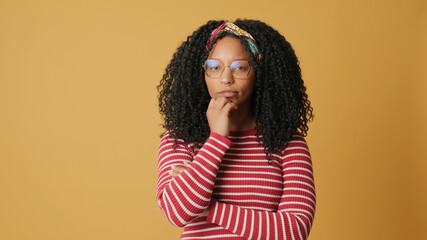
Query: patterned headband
(234, 29)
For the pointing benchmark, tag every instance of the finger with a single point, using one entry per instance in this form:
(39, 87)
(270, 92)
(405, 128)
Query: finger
(205, 213)
(219, 103)
(179, 169)
(229, 106)
(173, 174)
(175, 166)
(211, 102)
(222, 101)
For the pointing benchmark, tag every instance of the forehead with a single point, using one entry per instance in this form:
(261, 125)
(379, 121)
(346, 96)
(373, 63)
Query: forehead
(229, 48)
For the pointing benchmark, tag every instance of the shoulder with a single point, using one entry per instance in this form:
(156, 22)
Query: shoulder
(297, 148)
(168, 140)
(166, 136)
(297, 139)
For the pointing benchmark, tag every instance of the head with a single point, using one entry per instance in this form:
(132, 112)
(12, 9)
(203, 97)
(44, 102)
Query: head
(274, 90)
(229, 72)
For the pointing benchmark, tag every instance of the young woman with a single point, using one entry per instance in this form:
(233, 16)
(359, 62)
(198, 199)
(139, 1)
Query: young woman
(233, 162)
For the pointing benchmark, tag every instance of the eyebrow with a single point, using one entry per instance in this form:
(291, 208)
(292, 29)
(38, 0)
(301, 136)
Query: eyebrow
(239, 59)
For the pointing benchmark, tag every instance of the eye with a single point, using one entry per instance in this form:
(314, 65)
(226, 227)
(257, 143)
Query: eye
(241, 66)
(212, 65)
(235, 65)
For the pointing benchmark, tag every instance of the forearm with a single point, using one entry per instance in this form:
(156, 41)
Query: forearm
(295, 210)
(256, 224)
(186, 196)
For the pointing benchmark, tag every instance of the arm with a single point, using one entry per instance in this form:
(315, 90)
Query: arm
(295, 214)
(183, 198)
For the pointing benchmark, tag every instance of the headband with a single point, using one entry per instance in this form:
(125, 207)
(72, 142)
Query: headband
(234, 29)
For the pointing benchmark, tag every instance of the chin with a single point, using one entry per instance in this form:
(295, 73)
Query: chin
(233, 100)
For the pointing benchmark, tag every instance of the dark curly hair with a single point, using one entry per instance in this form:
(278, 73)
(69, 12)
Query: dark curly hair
(279, 104)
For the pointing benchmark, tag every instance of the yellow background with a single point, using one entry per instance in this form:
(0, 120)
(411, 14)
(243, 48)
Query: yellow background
(79, 125)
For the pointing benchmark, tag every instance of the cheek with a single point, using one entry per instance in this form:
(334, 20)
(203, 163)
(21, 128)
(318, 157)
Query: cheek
(210, 87)
(248, 89)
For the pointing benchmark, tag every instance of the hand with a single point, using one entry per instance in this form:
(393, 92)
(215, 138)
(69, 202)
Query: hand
(218, 114)
(176, 170)
(205, 213)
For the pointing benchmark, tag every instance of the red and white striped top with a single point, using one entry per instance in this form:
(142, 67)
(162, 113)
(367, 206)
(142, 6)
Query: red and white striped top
(247, 197)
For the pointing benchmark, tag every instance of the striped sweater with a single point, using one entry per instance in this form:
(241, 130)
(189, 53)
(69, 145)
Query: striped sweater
(247, 197)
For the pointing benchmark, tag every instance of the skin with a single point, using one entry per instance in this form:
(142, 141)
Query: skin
(227, 111)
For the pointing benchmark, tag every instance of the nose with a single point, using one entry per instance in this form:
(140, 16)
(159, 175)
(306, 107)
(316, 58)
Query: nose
(227, 77)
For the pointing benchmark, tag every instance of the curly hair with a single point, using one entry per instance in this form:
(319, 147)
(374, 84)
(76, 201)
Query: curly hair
(279, 102)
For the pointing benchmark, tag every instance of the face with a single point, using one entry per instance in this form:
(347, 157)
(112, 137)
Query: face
(237, 90)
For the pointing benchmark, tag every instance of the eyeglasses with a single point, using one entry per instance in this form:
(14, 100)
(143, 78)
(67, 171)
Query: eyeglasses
(215, 68)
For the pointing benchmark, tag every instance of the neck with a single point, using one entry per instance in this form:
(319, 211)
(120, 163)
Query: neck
(241, 119)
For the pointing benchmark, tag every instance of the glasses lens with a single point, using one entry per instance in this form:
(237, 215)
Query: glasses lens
(213, 68)
(240, 68)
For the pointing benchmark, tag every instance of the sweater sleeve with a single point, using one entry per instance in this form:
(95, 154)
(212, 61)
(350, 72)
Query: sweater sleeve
(295, 214)
(185, 197)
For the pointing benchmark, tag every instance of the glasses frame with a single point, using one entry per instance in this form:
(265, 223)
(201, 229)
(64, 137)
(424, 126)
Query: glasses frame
(232, 70)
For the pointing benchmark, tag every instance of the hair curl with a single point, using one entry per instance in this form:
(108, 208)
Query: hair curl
(279, 104)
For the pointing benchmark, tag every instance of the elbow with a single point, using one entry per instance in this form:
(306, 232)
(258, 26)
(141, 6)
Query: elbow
(303, 224)
(181, 220)
(173, 219)
(176, 223)
(176, 219)
(170, 216)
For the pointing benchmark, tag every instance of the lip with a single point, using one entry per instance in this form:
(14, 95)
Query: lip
(228, 93)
